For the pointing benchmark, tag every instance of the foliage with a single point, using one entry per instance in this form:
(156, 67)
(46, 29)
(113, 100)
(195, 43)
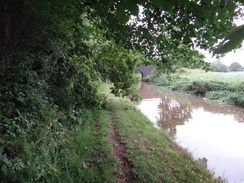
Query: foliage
(44, 95)
(232, 41)
(163, 25)
(163, 31)
(158, 30)
(66, 50)
(234, 38)
(235, 66)
(64, 149)
(218, 66)
(116, 64)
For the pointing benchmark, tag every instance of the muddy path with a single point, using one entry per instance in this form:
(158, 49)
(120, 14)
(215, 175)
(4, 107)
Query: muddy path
(118, 151)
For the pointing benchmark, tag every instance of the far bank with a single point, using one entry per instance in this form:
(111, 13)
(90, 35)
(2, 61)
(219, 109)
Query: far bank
(221, 87)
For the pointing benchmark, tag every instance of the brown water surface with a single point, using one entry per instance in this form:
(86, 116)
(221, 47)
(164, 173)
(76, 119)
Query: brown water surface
(207, 129)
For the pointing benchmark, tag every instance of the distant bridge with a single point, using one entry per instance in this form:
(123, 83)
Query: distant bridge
(145, 70)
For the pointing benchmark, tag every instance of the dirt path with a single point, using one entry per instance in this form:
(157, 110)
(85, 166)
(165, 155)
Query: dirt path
(126, 175)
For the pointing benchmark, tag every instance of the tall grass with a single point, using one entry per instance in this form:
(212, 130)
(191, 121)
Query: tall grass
(222, 87)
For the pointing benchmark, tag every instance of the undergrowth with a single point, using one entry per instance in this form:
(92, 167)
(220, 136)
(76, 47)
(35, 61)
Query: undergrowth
(68, 149)
(46, 129)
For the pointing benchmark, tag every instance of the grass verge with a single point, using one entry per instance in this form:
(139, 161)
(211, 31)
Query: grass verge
(154, 156)
(78, 149)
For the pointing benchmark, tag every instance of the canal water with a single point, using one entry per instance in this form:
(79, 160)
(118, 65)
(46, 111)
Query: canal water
(207, 129)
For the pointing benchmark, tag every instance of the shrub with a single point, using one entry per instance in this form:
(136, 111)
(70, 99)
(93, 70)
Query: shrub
(42, 96)
(236, 98)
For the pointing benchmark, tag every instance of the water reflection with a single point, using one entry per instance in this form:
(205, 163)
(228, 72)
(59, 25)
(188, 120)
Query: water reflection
(172, 114)
(183, 104)
(208, 129)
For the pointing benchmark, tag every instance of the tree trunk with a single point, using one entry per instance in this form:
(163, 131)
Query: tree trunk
(14, 15)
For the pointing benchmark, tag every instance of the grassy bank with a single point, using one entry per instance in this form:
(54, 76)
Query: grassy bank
(81, 152)
(76, 152)
(154, 156)
(223, 87)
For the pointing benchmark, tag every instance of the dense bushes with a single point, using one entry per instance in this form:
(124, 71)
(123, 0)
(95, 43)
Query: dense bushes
(49, 91)
(44, 97)
(56, 148)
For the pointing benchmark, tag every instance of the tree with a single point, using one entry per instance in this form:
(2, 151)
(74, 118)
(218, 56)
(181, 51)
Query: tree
(231, 41)
(164, 32)
(55, 54)
(14, 14)
(164, 24)
(218, 66)
(235, 66)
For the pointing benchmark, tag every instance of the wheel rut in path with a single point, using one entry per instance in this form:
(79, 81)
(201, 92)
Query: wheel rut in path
(126, 175)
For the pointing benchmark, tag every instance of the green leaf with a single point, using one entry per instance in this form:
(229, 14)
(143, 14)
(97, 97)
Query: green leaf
(7, 121)
(230, 7)
(232, 41)
(192, 33)
(165, 5)
(122, 17)
(109, 3)
(216, 22)
(120, 13)
(183, 2)
(142, 2)
(132, 7)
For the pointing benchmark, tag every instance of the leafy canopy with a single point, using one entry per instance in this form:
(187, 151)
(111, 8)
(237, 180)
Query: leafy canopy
(102, 38)
(164, 32)
(158, 27)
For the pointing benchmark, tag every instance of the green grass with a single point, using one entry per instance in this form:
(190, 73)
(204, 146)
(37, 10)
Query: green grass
(154, 156)
(222, 87)
(62, 152)
(85, 156)
(76, 148)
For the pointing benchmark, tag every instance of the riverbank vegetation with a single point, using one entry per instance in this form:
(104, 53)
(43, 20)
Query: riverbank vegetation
(78, 149)
(54, 55)
(73, 149)
(223, 87)
(152, 153)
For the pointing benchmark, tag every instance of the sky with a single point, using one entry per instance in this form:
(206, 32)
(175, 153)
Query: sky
(234, 56)
(237, 56)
